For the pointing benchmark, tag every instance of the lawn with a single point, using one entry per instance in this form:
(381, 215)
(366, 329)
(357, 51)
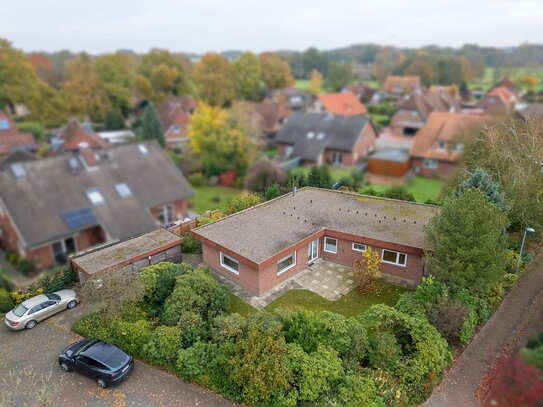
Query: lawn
(301, 84)
(421, 188)
(211, 197)
(239, 306)
(336, 173)
(492, 75)
(351, 304)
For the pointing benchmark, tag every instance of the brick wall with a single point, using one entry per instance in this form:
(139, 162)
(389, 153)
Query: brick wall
(444, 168)
(180, 209)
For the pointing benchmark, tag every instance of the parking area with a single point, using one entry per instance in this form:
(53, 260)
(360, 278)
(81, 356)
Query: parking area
(30, 375)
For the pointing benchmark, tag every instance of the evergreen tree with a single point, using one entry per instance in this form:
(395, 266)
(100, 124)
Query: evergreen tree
(468, 242)
(151, 126)
(480, 180)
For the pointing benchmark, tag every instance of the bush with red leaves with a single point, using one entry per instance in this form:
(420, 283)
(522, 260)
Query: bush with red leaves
(516, 384)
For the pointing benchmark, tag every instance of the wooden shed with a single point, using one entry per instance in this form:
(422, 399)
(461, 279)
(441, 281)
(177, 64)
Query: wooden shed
(390, 162)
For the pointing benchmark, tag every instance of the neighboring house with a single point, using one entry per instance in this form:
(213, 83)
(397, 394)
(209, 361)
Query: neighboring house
(413, 110)
(362, 91)
(116, 137)
(11, 139)
(293, 99)
(438, 145)
(497, 100)
(397, 86)
(319, 138)
(507, 83)
(52, 207)
(339, 104)
(269, 116)
(76, 136)
(175, 113)
(261, 247)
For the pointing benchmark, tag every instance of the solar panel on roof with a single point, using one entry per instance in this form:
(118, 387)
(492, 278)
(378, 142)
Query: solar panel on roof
(4, 124)
(78, 218)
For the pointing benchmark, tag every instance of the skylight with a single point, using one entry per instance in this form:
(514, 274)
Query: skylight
(4, 124)
(95, 196)
(18, 170)
(320, 136)
(143, 149)
(310, 135)
(123, 190)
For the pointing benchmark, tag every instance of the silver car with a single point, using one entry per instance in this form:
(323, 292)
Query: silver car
(36, 309)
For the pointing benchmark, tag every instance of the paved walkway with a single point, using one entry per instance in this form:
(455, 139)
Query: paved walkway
(517, 318)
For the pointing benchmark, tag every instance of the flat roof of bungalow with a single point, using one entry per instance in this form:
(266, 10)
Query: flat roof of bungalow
(125, 252)
(260, 232)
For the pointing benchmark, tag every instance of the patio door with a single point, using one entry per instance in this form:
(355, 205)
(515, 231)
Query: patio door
(313, 251)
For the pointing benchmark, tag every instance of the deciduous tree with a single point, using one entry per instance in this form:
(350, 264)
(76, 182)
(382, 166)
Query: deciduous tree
(315, 83)
(366, 271)
(248, 76)
(338, 76)
(276, 72)
(116, 72)
(215, 79)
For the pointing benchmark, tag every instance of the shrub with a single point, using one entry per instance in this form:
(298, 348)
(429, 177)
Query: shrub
(449, 318)
(167, 276)
(55, 280)
(131, 336)
(425, 354)
(315, 373)
(357, 390)
(228, 327)
(509, 280)
(21, 295)
(259, 363)
(96, 325)
(242, 202)
(385, 353)
(533, 356)
(196, 291)
(366, 271)
(25, 266)
(12, 258)
(271, 192)
(5, 282)
(114, 120)
(190, 244)
(214, 216)
(398, 193)
(6, 302)
(163, 346)
(197, 179)
(193, 328)
(37, 129)
(194, 361)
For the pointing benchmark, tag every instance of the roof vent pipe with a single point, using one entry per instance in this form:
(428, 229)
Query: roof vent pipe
(294, 190)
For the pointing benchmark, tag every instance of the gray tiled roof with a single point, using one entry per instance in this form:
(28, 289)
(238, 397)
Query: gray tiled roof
(265, 230)
(340, 133)
(36, 202)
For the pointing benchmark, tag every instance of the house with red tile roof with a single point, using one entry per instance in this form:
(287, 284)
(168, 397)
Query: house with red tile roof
(175, 113)
(397, 86)
(413, 110)
(509, 84)
(498, 100)
(440, 143)
(12, 140)
(77, 136)
(338, 104)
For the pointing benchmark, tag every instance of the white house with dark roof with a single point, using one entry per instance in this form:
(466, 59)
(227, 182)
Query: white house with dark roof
(52, 207)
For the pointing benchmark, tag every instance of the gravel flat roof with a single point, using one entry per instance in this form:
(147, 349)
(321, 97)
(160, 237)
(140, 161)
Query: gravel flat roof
(260, 232)
(110, 256)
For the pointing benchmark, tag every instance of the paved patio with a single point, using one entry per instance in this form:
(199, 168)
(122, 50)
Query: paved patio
(329, 280)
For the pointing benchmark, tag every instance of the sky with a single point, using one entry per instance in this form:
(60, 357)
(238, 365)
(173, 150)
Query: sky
(200, 26)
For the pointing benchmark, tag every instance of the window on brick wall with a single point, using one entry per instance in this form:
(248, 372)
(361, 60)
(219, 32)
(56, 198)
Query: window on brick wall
(286, 263)
(359, 247)
(392, 257)
(330, 245)
(229, 263)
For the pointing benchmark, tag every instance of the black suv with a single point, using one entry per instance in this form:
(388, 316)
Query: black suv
(99, 360)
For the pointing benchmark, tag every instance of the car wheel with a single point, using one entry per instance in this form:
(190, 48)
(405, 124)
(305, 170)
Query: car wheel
(72, 304)
(101, 382)
(65, 367)
(30, 324)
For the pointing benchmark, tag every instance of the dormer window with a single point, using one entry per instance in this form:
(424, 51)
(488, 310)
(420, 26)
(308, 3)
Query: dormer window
(441, 144)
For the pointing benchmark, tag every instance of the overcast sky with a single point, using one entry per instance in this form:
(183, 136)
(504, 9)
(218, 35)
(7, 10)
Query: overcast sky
(257, 25)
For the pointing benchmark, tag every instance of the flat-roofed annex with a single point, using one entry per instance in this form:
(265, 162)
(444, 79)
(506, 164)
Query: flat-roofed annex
(261, 232)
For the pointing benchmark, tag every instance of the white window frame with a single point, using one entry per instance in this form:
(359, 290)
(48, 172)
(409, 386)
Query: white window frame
(226, 267)
(324, 248)
(357, 250)
(430, 163)
(279, 272)
(337, 157)
(164, 212)
(397, 258)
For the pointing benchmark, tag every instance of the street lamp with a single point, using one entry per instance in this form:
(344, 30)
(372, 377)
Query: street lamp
(526, 230)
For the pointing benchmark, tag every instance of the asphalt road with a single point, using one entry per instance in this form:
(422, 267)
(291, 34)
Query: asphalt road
(30, 375)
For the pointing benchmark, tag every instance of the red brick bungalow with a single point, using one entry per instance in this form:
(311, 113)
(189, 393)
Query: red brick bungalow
(320, 138)
(263, 246)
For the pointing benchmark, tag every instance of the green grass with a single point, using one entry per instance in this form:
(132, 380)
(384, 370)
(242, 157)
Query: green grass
(351, 304)
(421, 188)
(211, 198)
(336, 173)
(492, 75)
(301, 84)
(239, 306)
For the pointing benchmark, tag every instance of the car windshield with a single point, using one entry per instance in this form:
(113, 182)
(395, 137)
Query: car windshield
(53, 297)
(20, 310)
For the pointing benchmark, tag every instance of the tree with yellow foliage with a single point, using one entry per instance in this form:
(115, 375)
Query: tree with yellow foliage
(276, 72)
(215, 79)
(315, 83)
(528, 81)
(366, 271)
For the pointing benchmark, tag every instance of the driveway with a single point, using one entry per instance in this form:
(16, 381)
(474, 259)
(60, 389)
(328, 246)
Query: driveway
(518, 318)
(30, 375)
